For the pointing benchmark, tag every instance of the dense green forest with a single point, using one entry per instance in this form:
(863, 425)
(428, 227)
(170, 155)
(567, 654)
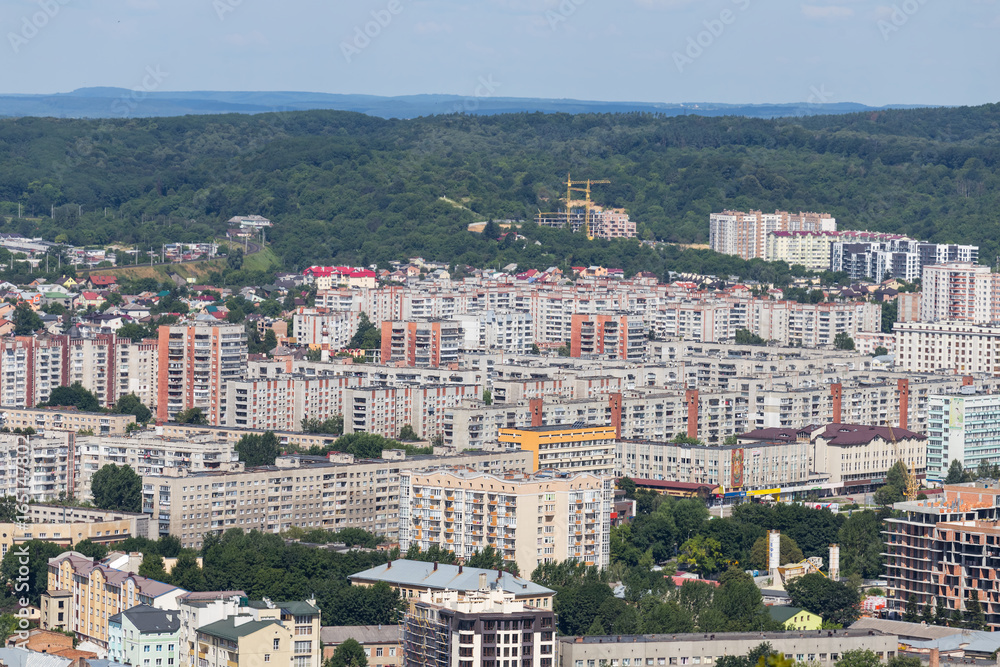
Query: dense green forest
(347, 187)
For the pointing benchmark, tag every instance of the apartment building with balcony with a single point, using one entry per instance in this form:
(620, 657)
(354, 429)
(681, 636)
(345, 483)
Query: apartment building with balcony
(811, 249)
(422, 343)
(39, 467)
(947, 549)
(963, 427)
(138, 368)
(744, 234)
(280, 403)
(30, 368)
(900, 258)
(68, 525)
(195, 362)
(947, 347)
(960, 292)
(529, 518)
(488, 628)
(612, 336)
(83, 594)
(321, 326)
(565, 448)
(303, 491)
(385, 410)
(65, 419)
(510, 331)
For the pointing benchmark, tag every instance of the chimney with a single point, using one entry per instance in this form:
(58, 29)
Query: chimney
(837, 392)
(968, 380)
(903, 389)
(388, 565)
(460, 568)
(435, 566)
(691, 399)
(935, 658)
(482, 581)
(535, 407)
(499, 574)
(615, 403)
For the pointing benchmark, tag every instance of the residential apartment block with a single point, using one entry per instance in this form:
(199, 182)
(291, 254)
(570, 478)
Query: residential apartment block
(421, 343)
(83, 595)
(900, 258)
(960, 292)
(612, 336)
(195, 362)
(66, 419)
(323, 327)
(944, 550)
(510, 331)
(488, 628)
(962, 427)
(530, 519)
(811, 249)
(304, 491)
(744, 234)
(567, 449)
(947, 347)
(283, 633)
(144, 635)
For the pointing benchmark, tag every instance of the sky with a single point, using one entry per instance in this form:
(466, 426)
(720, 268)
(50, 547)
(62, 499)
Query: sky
(876, 52)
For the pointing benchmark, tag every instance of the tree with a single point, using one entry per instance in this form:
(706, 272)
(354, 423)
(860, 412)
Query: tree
(831, 600)
(129, 404)
(191, 416)
(258, 450)
(333, 426)
(348, 654)
(487, 397)
(38, 554)
(491, 559)
(903, 661)
(73, 396)
(704, 554)
(407, 434)
(911, 613)
(26, 321)
(117, 488)
(880, 351)
(927, 614)
(535, 349)
(9, 624)
(974, 618)
(152, 567)
(270, 340)
(187, 574)
(91, 549)
(169, 546)
(843, 341)
(890, 310)
(957, 473)
(234, 260)
(941, 614)
(861, 545)
(368, 336)
(858, 658)
(747, 337)
(790, 552)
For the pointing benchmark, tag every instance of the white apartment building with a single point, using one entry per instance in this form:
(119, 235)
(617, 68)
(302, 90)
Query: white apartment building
(280, 403)
(304, 491)
(320, 326)
(509, 331)
(962, 427)
(947, 347)
(39, 467)
(530, 519)
(960, 291)
(745, 233)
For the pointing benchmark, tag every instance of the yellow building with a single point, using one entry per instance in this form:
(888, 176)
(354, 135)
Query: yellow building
(564, 447)
(280, 633)
(795, 618)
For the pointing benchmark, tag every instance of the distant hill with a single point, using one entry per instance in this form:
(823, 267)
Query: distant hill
(123, 103)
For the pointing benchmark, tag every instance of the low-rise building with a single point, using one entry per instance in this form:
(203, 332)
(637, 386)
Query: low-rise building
(382, 644)
(65, 419)
(144, 635)
(67, 525)
(283, 633)
(824, 647)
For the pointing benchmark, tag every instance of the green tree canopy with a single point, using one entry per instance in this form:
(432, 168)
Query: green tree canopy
(258, 450)
(117, 488)
(129, 404)
(833, 601)
(348, 654)
(73, 396)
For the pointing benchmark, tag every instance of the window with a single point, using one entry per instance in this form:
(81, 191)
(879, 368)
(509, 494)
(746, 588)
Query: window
(392, 653)
(267, 657)
(305, 647)
(277, 644)
(159, 648)
(378, 652)
(145, 649)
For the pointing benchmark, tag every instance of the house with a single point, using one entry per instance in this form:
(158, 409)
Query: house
(795, 618)
(102, 282)
(6, 327)
(144, 635)
(381, 643)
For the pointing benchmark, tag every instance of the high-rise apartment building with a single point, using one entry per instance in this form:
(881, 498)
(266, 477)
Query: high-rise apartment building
(566, 448)
(488, 628)
(195, 361)
(944, 550)
(900, 258)
(956, 347)
(613, 336)
(530, 519)
(963, 428)
(811, 249)
(745, 233)
(960, 292)
(434, 342)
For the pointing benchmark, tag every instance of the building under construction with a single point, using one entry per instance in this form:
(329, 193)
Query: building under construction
(583, 215)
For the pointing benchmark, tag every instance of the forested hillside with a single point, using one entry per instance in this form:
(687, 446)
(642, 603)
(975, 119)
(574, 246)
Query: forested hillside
(348, 187)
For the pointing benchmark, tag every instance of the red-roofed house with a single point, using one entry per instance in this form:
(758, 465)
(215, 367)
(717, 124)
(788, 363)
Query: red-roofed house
(362, 278)
(90, 298)
(102, 282)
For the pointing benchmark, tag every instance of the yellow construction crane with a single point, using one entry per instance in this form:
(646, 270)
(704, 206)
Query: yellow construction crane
(573, 186)
(911, 474)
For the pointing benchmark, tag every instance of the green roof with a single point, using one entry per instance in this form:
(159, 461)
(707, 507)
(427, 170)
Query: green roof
(227, 629)
(783, 614)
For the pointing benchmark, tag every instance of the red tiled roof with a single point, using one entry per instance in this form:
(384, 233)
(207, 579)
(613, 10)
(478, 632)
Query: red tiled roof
(103, 280)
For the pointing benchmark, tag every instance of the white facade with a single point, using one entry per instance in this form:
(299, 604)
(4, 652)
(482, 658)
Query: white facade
(962, 427)
(947, 347)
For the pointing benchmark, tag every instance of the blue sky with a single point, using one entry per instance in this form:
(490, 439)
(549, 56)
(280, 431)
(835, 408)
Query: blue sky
(739, 51)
